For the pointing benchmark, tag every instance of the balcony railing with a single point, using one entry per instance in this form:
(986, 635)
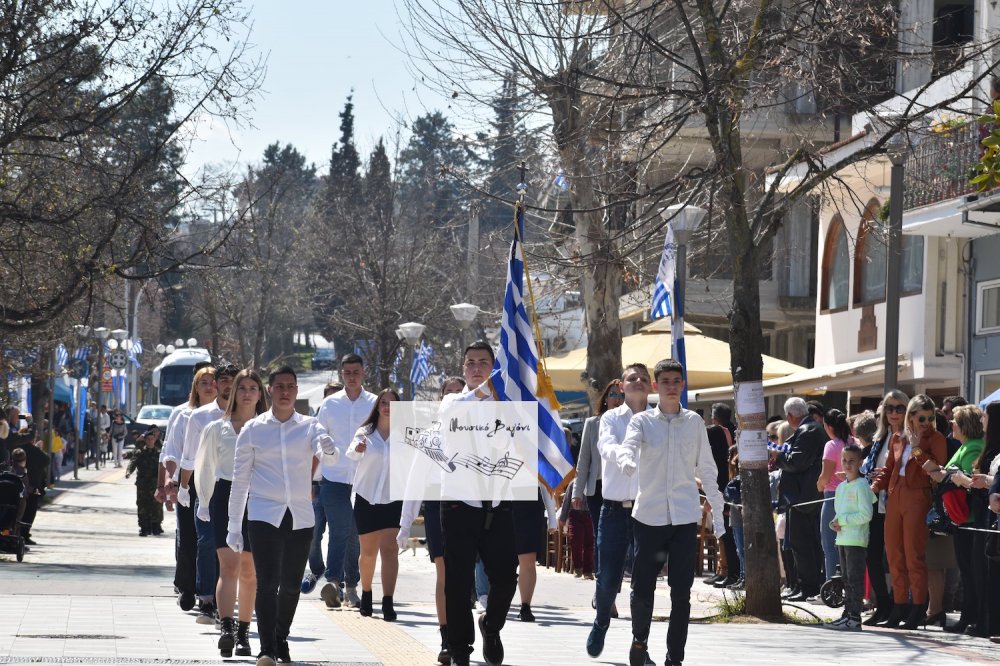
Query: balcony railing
(940, 166)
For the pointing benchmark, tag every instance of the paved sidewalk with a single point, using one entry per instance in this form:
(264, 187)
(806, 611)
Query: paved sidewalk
(94, 592)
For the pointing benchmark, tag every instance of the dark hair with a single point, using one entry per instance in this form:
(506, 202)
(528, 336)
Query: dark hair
(941, 423)
(226, 369)
(667, 365)
(449, 380)
(372, 421)
(992, 438)
(261, 405)
(283, 370)
(837, 420)
(602, 404)
(855, 449)
(480, 344)
(637, 366)
(202, 364)
(955, 401)
(18, 454)
(351, 357)
(722, 413)
(816, 409)
(331, 388)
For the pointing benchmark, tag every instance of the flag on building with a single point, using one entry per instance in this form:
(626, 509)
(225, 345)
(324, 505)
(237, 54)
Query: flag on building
(517, 374)
(664, 278)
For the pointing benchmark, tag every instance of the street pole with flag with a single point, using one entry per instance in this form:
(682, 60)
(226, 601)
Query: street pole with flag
(519, 373)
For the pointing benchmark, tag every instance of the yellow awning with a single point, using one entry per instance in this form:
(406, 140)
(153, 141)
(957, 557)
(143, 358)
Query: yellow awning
(707, 358)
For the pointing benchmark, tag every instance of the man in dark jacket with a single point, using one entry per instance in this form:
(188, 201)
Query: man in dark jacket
(38, 473)
(800, 468)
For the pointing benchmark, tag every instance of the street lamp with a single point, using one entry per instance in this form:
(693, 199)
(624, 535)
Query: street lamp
(897, 149)
(411, 332)
(465, 314)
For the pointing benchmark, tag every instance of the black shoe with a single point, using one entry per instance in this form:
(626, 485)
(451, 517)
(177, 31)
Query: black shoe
(525, 614)
(28, 541)
(243, 640)
(366, 603)
(881, 614)
(388, 612)
(800, 597)
(940, 619)
(143, 532)
(186, 601)
(898, 614)
(713, 579)
(739, 585)
(916, 617)
(281, 651)
(957, 628)
(492, 647)
(157, 529)
(637, 654)
(725, 582)
(459, 660)
(206, 614)
(227, 641)
(444, 656)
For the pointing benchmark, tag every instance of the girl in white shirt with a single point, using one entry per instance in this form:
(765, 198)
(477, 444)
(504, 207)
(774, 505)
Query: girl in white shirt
(377, 518)
(213, 477)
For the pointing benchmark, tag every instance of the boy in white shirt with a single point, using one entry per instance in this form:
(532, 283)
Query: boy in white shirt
(675, 451)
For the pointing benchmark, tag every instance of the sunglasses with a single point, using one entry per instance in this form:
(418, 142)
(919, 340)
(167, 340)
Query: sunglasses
(616, 394)
(925, 419)
(895, 409)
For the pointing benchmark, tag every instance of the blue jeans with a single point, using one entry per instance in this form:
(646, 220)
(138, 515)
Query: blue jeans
(614, 536)
(207, 563)
(344, 548)
(316, 565)
(740, 551)
(831, 556)
(482, 582)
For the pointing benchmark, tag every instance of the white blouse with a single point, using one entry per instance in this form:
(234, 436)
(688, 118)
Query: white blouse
(215, 457)
(371, 479)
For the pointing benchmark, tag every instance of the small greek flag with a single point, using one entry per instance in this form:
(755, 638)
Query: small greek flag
(137, 347)
(422, 368)
(62, 356)
(82, 352)
(664, 278)
(561, 181)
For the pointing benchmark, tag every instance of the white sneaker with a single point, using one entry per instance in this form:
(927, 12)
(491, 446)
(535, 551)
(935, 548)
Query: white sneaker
(849, 624)
(351, 598)
(482, 600)
(331, 594)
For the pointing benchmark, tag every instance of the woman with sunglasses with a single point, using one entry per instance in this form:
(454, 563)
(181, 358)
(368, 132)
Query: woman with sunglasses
(909, 500)
(588, 466)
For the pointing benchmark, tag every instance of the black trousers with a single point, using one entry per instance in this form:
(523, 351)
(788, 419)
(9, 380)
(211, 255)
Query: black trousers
(875, 560)
(279, 558)
(656, 545)
(971, 587)
(467, 534)
(30, 511)
(186, 545)
(803, 528)
(729, 544)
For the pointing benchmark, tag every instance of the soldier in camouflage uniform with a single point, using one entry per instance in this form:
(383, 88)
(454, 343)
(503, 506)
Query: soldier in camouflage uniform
(144, 464)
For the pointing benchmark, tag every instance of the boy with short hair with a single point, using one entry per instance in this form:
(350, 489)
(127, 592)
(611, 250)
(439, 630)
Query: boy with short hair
(673, 445)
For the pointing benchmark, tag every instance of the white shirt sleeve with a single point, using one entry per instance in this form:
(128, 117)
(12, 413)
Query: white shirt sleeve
(626, 453)
(607, 445)
(410, 510)
(191, 440)
(352, 450)
(323, 442)
(242, 470)
(550, 509)
(206, 460)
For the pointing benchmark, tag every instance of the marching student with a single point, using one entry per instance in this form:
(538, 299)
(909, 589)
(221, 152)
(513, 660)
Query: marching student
(377, 517)
(341, 414)
(276, 455)
(316, 564)
(214, 475)
(672, 444)
(207, 564)
(614, 529)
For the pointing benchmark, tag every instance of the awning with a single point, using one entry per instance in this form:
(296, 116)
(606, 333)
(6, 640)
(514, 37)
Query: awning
(970, 216)
(707, 358)
(813, 381)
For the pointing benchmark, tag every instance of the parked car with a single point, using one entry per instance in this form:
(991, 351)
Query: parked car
(135, 428)
(157, 415)
(324, 359)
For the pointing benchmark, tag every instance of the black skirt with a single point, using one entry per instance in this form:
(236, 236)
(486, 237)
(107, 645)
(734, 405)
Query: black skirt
(218, 509)
(374, 517)
(529, 525)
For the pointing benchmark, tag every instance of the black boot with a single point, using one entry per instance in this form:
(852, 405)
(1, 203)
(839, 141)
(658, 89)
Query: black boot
(899, 613)
(143, 527)
(243, 640)
(388, 612)
(227, 641)
(366, 603)
(157, 529)
(916, 617)
(882, 609)
(444, 656)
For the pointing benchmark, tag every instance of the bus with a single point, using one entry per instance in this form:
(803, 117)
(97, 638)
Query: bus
(172, 377)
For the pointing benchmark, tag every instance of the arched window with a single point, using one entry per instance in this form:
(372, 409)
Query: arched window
(870, 258)
(836, 267)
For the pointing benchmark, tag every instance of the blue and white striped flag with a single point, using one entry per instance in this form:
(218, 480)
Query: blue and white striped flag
(422, 368)
(62, 357)
(137, 347)
(665, 276)
(82, 352)
(516, 372)
(394, 372)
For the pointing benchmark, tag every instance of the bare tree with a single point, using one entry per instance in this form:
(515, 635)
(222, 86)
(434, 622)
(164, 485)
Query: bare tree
(686, 102)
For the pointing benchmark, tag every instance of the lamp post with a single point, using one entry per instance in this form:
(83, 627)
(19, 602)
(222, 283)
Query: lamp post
(896, 150)
(465, 314)
(411, 332)
(117, 341)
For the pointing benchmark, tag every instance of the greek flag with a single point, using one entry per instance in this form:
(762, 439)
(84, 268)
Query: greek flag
(82, 352)
(393, 373)
(561, 181)
(421, 369)
(517, 377)
(62, 356)
(665, 276)
(137, 347)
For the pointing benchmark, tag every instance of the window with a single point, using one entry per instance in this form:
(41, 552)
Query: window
(912, 269)
(870, 258)
(836, 267)
(987, 382)
(988, 307)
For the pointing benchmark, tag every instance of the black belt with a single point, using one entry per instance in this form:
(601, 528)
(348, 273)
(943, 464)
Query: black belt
(627, 504)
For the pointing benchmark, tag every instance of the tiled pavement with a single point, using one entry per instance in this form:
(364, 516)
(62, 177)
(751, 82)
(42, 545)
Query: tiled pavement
(94, 592)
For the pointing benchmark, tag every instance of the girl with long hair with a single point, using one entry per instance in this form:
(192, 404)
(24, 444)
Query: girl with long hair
(214, 474)
(839, 431)
(377, 518)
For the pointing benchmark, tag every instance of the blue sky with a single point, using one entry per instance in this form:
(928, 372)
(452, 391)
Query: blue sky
(317, 51)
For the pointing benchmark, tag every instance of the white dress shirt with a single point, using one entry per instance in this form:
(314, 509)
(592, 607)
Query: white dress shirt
(197, 422)
(273, 465)
(466, 395)
(675, 451)
(615, 485)
(215, 457)
(342, 417)
(173, 447)
(105, 421)
(371, 480)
